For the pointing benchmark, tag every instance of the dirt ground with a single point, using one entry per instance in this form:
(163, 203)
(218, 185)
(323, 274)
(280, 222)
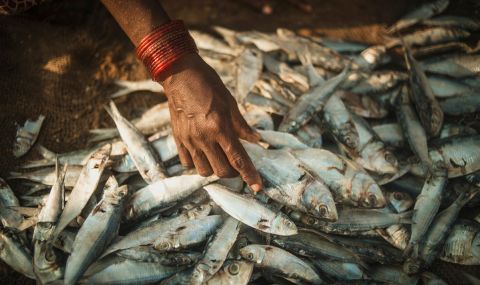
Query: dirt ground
(59, 59)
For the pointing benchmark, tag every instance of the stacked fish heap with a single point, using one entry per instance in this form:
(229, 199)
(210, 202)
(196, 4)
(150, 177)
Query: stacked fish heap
(377, 201)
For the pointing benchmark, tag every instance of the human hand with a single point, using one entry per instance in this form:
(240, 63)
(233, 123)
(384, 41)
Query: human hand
(207, 123)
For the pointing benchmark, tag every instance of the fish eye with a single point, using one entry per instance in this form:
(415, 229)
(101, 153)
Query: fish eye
(323, 210)
(288, 223)
(390, 158)
(162, 245)
(372, 200)
(233, 269)
(250, 256)
(398, 196)
(310, 221)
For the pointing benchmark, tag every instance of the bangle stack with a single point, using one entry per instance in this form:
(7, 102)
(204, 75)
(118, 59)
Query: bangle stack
(164, 45)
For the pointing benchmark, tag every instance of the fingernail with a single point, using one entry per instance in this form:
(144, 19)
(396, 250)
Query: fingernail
(256, 187)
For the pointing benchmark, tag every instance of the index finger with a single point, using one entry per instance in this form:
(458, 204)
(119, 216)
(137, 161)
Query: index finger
(239, 159)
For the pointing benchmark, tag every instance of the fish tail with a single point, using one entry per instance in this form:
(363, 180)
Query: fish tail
(406, 217)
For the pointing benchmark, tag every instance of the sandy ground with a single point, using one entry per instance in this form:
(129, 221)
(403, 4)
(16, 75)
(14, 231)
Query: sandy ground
(59, 59)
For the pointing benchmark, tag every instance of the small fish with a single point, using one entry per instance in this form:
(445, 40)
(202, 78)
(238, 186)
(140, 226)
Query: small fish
(26, 136)
(282, 262)
(216, 251)
(453, 65)
(291, 184)
(160, 194)
(428, 108)
(84, 188)
(461, 105)
(430, 36)
(249, 68)
(15, 253)
(340, 122)
(96, 233)
(47, 175)
(309, 244)
(310, 103)
(258, 215)
(121, 271)
(412, 128)
(127, 87)
(281, 140)
(420, 13)
(148, 234)
(453, 22)
(462, 245)
(427, 204)
(50, 213)
(348, 182)
(146, 159)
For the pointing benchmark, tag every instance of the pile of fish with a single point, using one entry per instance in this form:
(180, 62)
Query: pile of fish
(366, 164)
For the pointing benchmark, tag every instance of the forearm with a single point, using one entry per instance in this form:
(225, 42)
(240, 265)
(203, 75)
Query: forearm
(137, 17)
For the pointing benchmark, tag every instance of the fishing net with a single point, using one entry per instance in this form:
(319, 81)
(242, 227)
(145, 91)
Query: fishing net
(59, 59)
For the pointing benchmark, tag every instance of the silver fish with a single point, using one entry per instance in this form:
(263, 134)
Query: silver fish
(187, 234)
(438, 232)
(153, 197)
(47, 175)
(461, 105)
(421, 12)
(84, 188)
(96, 233)
(462, 245)
(249, 68)
(146, 159)
(430, 36)
(258, 216)
(216, 251)
(50, 213)
(15, 253)
(291, 184)
(453, 65)
(310, 103)
(427, 204)
(348, 182)
(411, 127)
(397, 235)
(428, 108)
(127, 87)
(282, 262)
(281, 140)
(453, 21)
(309, 244)
(9, 218)
(233, 272)
(27, 135)
(148, 234)
(121, 271)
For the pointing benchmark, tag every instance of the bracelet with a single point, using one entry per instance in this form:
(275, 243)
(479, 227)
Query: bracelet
(164, 45)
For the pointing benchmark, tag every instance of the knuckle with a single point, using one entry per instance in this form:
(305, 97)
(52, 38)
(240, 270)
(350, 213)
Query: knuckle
(238, 160)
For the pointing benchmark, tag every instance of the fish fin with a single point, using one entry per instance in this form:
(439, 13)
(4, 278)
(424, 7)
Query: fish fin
(406, 217)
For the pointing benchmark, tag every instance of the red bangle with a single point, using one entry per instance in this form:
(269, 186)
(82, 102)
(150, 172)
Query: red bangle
(164, 45)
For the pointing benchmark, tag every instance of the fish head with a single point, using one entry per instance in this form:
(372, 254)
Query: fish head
(253, 253)
(282, 225)
(198, 276)
(383, 161)
(400, 201)
(45, 258)
(373, 197)
(318, 198)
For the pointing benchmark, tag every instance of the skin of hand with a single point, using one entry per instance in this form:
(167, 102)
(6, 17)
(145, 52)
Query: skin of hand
(207, 123)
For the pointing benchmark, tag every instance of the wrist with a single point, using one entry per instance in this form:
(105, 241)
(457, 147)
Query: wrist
(165, 46)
